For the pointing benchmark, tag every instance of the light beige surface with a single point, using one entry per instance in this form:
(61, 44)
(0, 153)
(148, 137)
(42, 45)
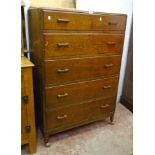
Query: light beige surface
(52, 3)
(25, 62)
(22, 2)
(98, 138)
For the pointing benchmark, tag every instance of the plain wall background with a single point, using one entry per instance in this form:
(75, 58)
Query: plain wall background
(113, 6)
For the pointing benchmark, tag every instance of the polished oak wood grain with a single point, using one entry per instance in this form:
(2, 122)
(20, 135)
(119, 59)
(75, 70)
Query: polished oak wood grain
(62, 95)
(54, 20)
(71, 44)
(74, 114)
(77, 57)
(27, 107)
(62, 71)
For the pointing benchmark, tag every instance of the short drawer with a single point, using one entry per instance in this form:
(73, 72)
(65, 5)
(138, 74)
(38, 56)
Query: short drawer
(63, 71)
(53, 20)
(74, 114)
(69, 44)
(59, 96)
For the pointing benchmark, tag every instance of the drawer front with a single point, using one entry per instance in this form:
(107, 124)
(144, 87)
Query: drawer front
(80, 21)
(74, 114)
(81, 44)
(59, 96)
(76, 69)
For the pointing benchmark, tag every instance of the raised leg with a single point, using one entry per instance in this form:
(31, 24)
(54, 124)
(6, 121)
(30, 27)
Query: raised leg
(112, 119)
(47, 144)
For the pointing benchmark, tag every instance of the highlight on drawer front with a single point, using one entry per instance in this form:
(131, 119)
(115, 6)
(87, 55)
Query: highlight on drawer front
(81, 44)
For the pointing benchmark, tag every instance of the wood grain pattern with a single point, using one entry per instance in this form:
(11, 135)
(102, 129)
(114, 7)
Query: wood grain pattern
(80, 21)
(77, 113)
(82, 44)
(59, 96)
(27, 109)
(77, 57)
(24, 136)
(77, 69)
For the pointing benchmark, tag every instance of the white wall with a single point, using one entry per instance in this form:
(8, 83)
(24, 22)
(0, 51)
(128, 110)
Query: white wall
(113, 6)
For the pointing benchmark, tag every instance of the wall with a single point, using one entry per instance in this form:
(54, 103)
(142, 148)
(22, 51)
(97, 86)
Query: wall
(113, 6)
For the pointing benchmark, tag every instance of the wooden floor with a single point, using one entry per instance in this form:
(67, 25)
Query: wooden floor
(98, 138)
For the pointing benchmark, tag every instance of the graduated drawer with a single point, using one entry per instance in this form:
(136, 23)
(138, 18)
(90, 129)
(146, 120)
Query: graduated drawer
(82, 21)
(63, 71)
(67, 44)
(74, 114)
(75, 93)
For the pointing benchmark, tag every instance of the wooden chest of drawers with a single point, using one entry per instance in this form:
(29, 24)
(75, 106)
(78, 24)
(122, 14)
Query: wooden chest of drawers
(28, 129)
(77, 59)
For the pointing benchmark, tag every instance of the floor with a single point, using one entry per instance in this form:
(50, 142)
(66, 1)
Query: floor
(100, 138)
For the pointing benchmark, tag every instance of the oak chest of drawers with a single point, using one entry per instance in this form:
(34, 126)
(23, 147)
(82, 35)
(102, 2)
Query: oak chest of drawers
(77, 59)
(28, 129)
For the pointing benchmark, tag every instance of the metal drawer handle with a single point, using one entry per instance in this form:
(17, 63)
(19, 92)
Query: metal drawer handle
(61, 117)
(62, 95)
(106, 87)
(62, 44)
(104, 106)
(63, 70)
(63, 20)
(111, 43)
(46, 43)
(108, 65)
(112, 23)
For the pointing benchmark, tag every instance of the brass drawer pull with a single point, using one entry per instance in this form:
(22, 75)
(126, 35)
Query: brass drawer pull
(108, 65)
(63, 21)
(106, 87)
(111, 43)
(46, 43)
(63, 70)
(104, 106)
(62, 44)
(112, 23)
(62, 95)
(61, 117)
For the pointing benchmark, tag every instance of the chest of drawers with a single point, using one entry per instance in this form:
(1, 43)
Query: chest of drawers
(77, 59)
(28, 129)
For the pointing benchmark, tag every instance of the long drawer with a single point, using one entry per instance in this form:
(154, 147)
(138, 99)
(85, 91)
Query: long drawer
(74, 114)
(63, 71)
(67, 44)
(82, 21)
(59, 96)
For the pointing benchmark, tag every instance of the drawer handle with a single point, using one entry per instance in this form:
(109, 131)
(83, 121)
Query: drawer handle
(106, 87)
(104, 106)
(62, 117)
(108, 65)
(112, 23)
(63, 21)
(62, 95)
(111, 43)
(63, 70)
(62, 44)
(46, 43)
